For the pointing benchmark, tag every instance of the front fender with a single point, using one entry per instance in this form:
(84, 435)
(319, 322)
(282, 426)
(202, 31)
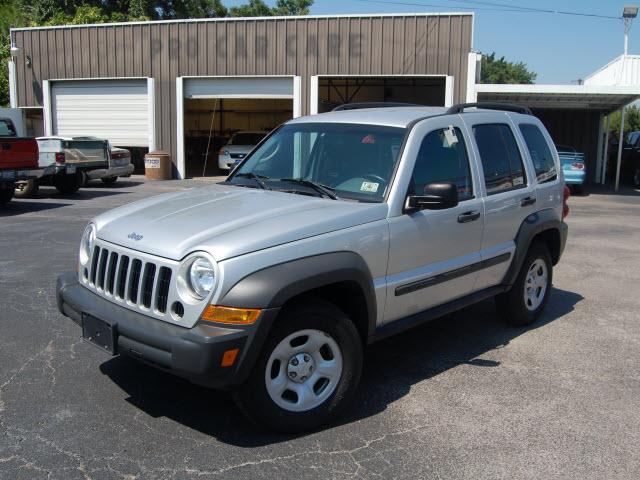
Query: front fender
(273, 286)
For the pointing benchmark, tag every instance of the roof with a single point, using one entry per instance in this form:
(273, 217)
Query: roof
(390, 117)
(605, 98)
(244, 19)
(622, 70)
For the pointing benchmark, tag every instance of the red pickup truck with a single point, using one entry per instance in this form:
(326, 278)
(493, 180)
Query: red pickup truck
(18, 159)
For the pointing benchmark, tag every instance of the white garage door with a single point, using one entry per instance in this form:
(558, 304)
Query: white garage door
(239, 87)
(117, 110)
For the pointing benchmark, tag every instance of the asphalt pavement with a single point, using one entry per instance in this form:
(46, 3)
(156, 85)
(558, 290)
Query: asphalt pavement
(462, 397)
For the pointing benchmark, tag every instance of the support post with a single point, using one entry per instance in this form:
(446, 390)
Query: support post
(599, 150)
(620, 144)
(603, 175)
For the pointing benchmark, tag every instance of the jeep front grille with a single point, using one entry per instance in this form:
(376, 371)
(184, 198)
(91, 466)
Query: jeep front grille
(138, 283)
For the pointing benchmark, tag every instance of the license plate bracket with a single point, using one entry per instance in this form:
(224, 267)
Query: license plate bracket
(99, 333)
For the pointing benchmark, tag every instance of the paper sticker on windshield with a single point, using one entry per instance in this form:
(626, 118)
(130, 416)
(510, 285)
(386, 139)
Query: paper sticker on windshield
(450, 137)
(369, 139)
(369, 187)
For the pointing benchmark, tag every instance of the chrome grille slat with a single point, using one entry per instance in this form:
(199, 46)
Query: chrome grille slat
(135, 280)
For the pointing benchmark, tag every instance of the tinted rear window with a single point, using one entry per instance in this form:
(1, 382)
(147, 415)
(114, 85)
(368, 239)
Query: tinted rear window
(541, 155)
(501, 160)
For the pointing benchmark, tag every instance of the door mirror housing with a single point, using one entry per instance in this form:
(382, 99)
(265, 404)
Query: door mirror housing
(436, 196)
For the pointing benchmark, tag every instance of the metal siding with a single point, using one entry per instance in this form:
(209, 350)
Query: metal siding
(368, 45)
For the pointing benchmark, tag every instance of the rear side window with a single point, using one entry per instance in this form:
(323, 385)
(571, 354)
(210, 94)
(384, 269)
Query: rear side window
(6, 129)
(501, 160)
(541, 155)
(443, 158)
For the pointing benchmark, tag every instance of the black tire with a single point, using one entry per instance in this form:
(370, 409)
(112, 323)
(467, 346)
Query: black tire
(511, 305)
(6, 193)
(109, 180)
(27, 188)
(67, 183)
(255, 401)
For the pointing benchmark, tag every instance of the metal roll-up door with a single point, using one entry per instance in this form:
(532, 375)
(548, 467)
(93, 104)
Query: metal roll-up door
(116, 110)
(239, 87)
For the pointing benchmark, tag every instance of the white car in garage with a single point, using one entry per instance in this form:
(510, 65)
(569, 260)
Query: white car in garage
(238, 146)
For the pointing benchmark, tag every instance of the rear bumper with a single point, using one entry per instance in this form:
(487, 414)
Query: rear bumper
(191, 353)
(574, 177)
(122, 171)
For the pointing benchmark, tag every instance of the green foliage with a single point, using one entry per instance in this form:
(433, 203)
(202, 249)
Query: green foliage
(502, 71)
(292, 7)
(255, 8)
(631, 121)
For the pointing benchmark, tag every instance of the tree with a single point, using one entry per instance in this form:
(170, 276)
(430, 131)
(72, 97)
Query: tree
(255, 8)
(631, 121)
(494, 70)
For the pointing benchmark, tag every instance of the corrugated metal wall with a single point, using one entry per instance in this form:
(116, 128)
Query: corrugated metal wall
(305, 46)
(574, 128)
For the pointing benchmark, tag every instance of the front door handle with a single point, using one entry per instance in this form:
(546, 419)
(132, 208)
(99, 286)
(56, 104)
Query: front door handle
(527, 201)
(468, 216)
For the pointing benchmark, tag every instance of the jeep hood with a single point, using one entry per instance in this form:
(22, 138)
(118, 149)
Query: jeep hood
(228, 221)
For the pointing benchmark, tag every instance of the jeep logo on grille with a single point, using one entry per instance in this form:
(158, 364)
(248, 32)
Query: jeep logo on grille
(134, 236)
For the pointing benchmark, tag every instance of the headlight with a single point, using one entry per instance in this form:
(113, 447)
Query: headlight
(87, 242)
(201, 277)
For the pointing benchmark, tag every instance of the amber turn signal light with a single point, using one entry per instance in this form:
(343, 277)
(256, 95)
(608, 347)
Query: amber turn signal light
(229, 357)
(233, 316)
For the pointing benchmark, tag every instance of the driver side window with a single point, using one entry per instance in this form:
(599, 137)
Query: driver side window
(443, 158)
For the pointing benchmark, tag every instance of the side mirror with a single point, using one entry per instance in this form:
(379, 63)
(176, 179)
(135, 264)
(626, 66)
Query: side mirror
(436, 196)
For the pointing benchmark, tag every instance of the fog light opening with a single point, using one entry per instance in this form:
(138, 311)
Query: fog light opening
(177, 310)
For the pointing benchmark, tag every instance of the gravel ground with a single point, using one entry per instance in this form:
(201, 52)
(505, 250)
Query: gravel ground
(462, 397)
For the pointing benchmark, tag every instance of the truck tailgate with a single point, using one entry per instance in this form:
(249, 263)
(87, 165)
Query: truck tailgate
(17, 152)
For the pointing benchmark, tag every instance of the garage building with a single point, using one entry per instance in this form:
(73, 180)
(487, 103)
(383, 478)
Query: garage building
(185, 86)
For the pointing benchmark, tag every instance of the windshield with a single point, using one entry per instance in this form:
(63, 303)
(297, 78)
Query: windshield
(246, 138)
(353, 161)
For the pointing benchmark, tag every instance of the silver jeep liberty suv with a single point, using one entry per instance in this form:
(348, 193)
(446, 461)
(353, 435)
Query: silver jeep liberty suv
(337, 230)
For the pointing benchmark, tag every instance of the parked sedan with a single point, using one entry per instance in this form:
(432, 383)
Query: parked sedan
(573, 167)
(237, 148)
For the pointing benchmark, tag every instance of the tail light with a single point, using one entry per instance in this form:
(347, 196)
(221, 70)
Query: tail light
(565, 196)
(60, 158)
(577, 166)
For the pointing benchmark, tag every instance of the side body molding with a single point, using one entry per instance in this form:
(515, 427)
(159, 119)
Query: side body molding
(273, 286)
(534, 224)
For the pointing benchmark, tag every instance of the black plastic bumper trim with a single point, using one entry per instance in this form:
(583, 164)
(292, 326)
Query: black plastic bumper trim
(192, 353)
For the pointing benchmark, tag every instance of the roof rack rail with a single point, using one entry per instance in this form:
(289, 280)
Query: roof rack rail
(358, 106)
(461, 107)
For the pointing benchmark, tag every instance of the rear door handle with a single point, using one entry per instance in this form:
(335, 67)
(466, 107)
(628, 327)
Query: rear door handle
(527, 201)
(468, 216)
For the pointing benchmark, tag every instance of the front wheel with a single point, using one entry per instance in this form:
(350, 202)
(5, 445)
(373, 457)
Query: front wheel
(523, 304)
(307, 372)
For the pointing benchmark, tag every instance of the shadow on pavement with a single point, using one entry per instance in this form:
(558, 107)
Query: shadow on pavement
(392, 366)
(624, 191)
(18, 207)
(121, 183)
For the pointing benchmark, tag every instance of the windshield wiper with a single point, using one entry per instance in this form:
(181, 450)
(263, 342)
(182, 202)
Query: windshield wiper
(257, 178)
(318, 187)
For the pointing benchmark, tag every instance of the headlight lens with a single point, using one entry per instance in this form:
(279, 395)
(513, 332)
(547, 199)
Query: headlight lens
(201, 277)
(87, 242)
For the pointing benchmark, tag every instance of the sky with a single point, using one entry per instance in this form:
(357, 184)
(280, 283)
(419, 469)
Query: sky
(559, 48)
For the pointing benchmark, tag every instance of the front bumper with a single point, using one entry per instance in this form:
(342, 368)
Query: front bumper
(191, 353)
(122, 171)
